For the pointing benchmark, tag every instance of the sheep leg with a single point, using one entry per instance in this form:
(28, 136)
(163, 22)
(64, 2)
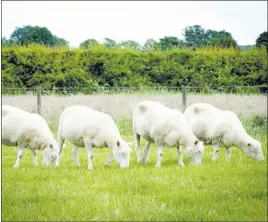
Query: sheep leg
(180, 161)
(89, 155)
(109, 159)
(19, 156)
(137, 146)
(159, 155)
(146, 152)
(34, 158)
(228, 154)
(61, 141)
(215, 151)
(75, 156)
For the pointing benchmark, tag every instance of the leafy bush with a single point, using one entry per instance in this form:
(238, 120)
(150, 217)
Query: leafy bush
(207, 68)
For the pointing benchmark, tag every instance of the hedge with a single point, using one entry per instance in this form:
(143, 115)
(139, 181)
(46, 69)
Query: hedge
(208, 68)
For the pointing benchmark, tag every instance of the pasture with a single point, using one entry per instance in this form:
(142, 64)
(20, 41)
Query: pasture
(213, 191)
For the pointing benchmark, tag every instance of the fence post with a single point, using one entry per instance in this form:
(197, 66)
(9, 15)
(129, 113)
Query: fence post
(183, 98)
(39, 100)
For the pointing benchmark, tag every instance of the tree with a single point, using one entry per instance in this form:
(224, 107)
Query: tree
(195, 36)
(130, 44)
(109, 43)
(169, 42)
(220, 38)
(89, 43)
(262, 40)
(150, 44)
(3, 40)
(61, 41)
(36, 34)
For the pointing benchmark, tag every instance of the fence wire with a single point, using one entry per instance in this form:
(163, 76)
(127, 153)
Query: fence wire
(261, 89)
(250, 105)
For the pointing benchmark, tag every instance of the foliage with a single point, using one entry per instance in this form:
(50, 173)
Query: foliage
(196, 36)
(109, 43)
(209, 67)
(89, 43)
(262, 40)
(130, 44)
(7, 42)
(169, 42)
(35, 34)
(221, 38)
(151, 44)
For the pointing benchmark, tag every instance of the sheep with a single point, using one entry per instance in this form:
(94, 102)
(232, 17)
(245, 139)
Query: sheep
(8, 109)
(164, 126)
(27, 130)
(221, 128)
(86, 127)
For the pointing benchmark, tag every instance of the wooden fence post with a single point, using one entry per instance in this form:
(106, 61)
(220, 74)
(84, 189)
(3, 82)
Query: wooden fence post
(39, 100)
(183, 98)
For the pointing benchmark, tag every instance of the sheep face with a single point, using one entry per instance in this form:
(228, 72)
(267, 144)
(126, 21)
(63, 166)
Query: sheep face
(50, 154)
(122, 154)
(55, 152)
(253, 150)
(195, 153)
(47, 156)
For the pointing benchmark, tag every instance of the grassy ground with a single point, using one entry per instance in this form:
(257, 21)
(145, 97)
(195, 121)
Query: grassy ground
(212, 191)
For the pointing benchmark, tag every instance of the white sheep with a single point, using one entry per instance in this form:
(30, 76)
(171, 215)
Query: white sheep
(27, 130)
(164, 126)
(9, 109)
(86, 127)
(221, 127)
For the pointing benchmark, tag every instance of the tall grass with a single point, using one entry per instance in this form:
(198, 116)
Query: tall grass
(121, 105)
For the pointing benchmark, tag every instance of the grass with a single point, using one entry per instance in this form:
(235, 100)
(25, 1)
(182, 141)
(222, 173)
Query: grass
(212, 191)
(234, 191)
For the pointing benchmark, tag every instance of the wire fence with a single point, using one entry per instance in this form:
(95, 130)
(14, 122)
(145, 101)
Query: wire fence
(230, 89)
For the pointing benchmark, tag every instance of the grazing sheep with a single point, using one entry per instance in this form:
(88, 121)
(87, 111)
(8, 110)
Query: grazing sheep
(27, 130)
(8, 109)
(86, 127)
(221, 127)
(164, 126)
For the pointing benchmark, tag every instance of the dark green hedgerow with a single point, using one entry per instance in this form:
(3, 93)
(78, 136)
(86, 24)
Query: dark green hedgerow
(208, 68)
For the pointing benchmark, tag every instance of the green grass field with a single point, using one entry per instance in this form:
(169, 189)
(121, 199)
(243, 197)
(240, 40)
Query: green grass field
(234, 191)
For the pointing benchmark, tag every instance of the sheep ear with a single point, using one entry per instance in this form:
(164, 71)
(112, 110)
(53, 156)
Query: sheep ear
(118, 143)
(196, 142)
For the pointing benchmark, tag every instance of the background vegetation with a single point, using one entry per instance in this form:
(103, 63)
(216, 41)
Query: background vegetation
(99, 66)
(205, 58)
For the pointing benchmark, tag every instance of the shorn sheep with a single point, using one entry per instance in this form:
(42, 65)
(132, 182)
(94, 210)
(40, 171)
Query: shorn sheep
(164, 126)
(28, 130)
(86, 127)
(221, 128)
